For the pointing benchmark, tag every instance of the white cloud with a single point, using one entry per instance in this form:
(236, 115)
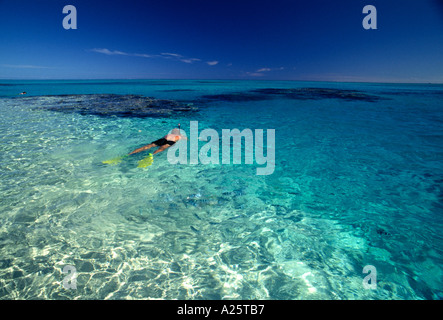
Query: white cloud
(121, 53)
(164, 55)
(176, 55)
(261, 72)
(24, 66)
(179, 57)
(109, 52)
(190, 60)
(269, 69)
(143, 55)
(255, 74)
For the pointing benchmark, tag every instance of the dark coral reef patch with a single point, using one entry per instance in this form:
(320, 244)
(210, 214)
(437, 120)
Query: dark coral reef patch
(294, 94)
(108, 105)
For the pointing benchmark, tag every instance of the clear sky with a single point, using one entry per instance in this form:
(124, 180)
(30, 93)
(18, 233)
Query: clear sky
(223, 39)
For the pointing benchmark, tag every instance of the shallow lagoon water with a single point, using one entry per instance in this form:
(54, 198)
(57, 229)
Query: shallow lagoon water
(358, 181)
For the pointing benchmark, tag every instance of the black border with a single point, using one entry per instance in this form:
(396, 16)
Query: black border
(165, 310)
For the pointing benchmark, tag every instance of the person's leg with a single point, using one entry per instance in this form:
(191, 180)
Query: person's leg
(162, 148)
(148, 146)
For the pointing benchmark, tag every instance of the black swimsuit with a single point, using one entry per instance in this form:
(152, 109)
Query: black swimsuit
(162, 142)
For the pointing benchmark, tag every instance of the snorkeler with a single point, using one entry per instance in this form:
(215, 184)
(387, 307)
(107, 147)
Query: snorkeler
(163, 143)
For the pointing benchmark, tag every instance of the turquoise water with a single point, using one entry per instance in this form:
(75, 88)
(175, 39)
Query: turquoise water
(358, 181)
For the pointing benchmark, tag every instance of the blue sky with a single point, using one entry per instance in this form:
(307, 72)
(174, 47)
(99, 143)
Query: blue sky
(223, 39)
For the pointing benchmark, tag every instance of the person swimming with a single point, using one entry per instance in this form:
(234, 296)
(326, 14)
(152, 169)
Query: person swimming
(163, 143)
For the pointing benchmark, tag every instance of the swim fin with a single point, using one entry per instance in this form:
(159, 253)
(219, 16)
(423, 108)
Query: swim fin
(146, 162)
(115, 161)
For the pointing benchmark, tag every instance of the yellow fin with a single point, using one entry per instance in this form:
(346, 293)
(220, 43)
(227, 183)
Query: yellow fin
(146, 162)
(115, 161)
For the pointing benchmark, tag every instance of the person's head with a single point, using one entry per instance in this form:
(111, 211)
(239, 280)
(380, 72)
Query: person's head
(175, 131)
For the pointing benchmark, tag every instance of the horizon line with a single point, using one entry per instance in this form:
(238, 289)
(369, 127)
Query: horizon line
(219, 79)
